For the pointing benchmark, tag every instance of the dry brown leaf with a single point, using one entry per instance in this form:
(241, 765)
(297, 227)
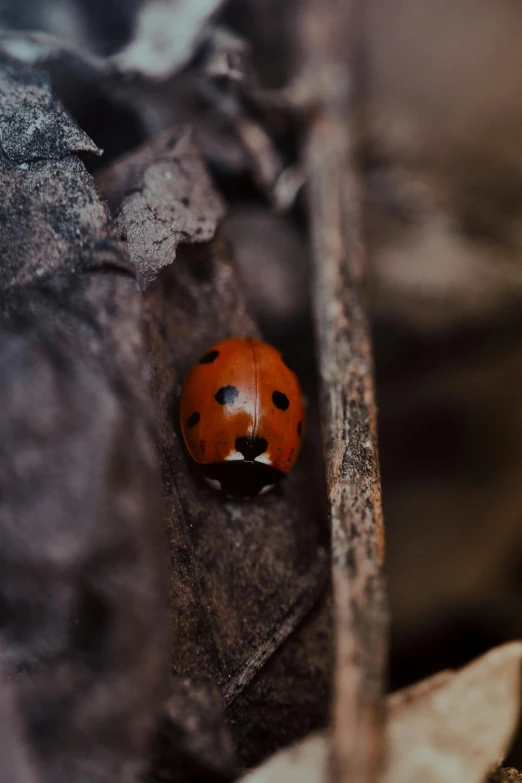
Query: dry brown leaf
(245, 573)
(83, 621)
(451, 727)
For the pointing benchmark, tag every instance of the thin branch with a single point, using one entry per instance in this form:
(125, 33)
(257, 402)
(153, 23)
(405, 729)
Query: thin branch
(348, 402)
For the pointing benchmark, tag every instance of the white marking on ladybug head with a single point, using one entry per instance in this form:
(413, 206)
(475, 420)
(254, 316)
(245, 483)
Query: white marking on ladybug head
(214, 483)
(266, 489)
(234, 456)
(265, 458)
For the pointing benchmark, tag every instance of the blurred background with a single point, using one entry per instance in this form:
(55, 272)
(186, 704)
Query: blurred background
(440, 153)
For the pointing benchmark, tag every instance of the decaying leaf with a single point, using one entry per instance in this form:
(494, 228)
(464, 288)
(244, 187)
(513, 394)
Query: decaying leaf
(244, 573)
(81, 572)
(33, 125)
(161, 196)
(454, 726)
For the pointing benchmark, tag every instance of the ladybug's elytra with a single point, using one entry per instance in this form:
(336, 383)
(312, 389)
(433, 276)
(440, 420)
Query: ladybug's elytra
(242, 416)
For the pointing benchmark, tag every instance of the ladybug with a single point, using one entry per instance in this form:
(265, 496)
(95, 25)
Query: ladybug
(242, 416)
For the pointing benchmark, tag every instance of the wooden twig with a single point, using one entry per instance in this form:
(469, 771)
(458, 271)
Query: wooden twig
(347, 394)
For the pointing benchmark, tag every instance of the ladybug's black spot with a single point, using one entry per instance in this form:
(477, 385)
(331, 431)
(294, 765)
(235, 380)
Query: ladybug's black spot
(280, 400)
(251, 447)
(226, 395)
(209, 357)
(193, 419)
(299, 427)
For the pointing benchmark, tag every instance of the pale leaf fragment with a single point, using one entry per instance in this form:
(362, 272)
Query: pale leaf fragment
(456, 730)
(167, 32)
(305, 761)
(453, 727)
(166, 35)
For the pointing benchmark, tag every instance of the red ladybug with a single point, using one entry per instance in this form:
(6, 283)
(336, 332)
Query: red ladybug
(242, 416)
